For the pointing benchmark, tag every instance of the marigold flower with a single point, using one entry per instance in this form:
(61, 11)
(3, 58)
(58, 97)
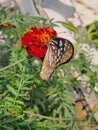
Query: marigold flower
(36, 40)
(81, 115)
(18, 44)
(78, 106)
(36, 51)
(95, 108)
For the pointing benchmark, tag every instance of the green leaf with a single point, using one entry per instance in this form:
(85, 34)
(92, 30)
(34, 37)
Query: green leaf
(90, 35)
(11, 89)
(19, 102)
(96, 42)
(9, 121)
(9, 99)
(69, 26)
(91, 28)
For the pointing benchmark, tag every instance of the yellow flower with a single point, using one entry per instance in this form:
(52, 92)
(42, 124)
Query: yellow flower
(81, 115)
(78, 106)
(19, 44)
(95, 108)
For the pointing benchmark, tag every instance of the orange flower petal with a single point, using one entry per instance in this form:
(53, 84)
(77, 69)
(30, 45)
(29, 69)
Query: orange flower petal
(38, 37)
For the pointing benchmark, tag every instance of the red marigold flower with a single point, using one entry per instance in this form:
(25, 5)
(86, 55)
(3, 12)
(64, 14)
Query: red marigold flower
(36, 51)
(36, 40)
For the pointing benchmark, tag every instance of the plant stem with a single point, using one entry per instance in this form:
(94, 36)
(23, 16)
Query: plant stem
(4, 68)
(46, 117)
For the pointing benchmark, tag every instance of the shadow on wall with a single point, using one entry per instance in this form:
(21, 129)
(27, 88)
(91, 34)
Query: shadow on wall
(59, 6)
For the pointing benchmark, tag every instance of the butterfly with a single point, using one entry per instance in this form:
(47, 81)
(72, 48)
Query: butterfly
(59, 51)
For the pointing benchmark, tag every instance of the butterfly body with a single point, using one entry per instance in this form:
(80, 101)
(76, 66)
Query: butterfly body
(59, 51)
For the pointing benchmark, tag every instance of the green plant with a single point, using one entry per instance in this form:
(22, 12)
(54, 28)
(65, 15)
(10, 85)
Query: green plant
(26, 101)
(92, 33)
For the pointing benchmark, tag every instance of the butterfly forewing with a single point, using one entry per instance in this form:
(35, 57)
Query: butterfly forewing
(59, 51)
(67, 52)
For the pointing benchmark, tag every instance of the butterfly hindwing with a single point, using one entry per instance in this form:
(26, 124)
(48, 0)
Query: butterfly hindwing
(59, 51)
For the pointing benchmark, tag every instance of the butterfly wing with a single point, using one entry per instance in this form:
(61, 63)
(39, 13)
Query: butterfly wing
(59, 52)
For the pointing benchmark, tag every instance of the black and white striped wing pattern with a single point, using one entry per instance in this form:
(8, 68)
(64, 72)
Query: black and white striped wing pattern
(59, 51)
